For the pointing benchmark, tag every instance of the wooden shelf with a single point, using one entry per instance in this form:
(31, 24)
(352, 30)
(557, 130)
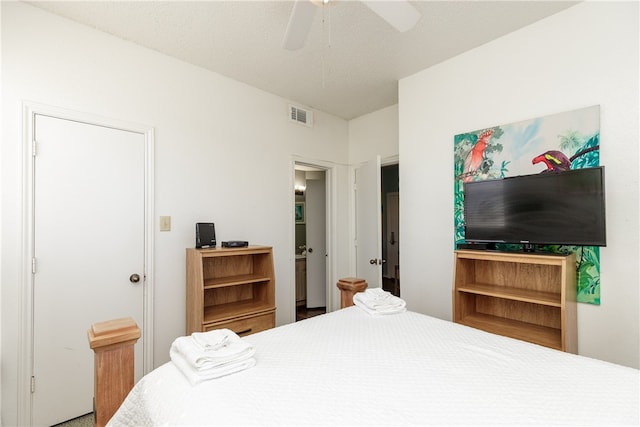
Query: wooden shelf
(235, 280)
(548, 337)
(247, 250)
(516, 257)
(230, 288)
(525, 296)
(516, 294)
(229, 311)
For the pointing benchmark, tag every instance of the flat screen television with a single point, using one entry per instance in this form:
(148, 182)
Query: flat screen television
(550, 208)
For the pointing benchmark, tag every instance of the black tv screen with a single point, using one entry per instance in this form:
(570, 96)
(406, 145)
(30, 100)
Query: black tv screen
(561, 208)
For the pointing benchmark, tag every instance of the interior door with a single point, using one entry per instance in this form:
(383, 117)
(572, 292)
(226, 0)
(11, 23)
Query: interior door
(393, 234)
(368, 216)
(316, 243)
(88, 246)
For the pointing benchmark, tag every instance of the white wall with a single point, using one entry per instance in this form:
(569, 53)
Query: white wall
(208, 132)
(583, 56)
(374, 134)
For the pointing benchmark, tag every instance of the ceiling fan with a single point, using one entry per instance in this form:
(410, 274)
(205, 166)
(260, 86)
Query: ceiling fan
(400, 14)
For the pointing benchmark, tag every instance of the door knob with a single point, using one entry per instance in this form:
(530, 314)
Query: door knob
(134, 278)
(375, 261)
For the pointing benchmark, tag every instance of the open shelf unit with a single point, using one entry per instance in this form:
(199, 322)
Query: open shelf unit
(230, 288)
(525, 296)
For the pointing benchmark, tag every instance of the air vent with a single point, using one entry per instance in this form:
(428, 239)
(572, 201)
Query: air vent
(300, 115)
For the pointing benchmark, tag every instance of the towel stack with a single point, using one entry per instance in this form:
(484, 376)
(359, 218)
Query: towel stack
(375, 301)
(207, 355)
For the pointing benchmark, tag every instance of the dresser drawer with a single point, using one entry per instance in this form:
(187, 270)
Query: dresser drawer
(246, 325)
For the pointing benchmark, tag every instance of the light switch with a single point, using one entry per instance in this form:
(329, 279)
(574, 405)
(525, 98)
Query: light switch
(165, 223)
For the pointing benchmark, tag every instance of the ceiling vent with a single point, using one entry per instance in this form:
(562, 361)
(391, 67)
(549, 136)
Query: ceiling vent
(300, 115)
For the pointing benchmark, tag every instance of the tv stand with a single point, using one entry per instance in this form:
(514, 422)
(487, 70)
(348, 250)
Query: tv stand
(525, 296)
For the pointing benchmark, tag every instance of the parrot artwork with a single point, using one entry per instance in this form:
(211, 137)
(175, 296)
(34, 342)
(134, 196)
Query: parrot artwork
(476, 155)
(555, 161)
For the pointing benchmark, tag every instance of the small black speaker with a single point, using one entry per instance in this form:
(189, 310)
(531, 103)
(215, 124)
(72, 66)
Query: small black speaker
(205, 235)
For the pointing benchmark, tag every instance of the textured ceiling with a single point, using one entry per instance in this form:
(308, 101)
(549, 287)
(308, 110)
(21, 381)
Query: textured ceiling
(352, 60)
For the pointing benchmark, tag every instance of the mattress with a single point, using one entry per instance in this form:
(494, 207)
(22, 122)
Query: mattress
(350, 368)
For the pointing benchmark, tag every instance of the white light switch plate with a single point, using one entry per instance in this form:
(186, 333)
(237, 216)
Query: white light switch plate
(165, 223)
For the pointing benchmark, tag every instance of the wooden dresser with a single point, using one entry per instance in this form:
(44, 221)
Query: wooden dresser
(231, 288)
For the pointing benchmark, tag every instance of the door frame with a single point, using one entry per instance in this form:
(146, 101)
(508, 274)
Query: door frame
(332, 296)
(25, 338)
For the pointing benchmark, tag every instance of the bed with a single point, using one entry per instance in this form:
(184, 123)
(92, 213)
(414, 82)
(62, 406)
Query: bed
(350, 368)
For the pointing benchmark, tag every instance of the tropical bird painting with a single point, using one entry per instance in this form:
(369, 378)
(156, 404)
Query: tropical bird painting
(549, 144)
(476, 156)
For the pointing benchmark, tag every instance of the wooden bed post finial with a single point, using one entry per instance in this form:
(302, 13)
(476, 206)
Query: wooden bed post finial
(349, 286)
(112, 343)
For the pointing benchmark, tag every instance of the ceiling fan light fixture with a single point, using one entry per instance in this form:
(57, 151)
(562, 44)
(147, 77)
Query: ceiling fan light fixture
(400, 14)
(299, 25)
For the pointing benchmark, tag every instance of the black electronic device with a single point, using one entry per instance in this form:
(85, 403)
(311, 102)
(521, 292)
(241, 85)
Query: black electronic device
(235, 244)
(205, 235)
(477, 246)
(550, 208)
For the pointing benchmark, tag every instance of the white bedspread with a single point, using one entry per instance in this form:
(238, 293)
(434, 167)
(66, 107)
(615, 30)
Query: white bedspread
(349, 368)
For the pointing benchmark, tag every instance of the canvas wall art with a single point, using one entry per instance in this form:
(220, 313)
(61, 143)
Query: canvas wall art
(569, 140)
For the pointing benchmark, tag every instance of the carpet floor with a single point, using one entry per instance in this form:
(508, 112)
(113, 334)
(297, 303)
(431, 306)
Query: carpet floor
(83, 421)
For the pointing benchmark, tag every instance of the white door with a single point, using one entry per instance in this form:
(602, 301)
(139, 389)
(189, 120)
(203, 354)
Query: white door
(88, 240)
(368, 223)
(316, 243)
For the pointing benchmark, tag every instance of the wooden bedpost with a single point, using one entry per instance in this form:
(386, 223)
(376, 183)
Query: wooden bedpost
(112, 342)
(348, 287)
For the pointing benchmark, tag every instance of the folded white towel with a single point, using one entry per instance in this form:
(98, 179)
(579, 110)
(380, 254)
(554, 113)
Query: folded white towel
(207, 355)
(196, 376)
(215, 339)
(205, 350)
(376, 301)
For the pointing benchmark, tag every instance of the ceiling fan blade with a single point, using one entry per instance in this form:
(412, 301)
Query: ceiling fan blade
(299, 25)
(400, 14)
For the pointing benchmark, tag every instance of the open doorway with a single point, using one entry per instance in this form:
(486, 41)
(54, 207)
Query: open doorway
(310, 241)
(390, 228)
